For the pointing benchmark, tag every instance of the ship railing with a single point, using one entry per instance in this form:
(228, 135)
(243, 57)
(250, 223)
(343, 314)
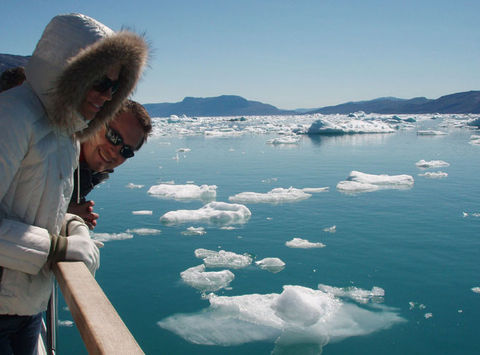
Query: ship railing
(101, 328)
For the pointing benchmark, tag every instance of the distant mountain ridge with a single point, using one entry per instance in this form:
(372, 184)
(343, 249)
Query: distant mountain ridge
(232, 105)
(8, 61)
(225, 105)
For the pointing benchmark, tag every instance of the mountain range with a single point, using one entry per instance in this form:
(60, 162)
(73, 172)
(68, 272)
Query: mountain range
(232, 105)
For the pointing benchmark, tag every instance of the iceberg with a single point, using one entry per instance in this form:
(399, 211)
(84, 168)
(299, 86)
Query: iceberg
(284, 140)
(297, 316)
(184, 192)
(223, 259)
(277, 195)
(362, 182)
(142, 212)
(194, 231)
(359, 295)
(434, 175)
(107, 237)
(273, 265)
(204, 281)
(431, 133)
(214, 212)
(144, 231)
(348, 126)
(303, 244)
(431, 164)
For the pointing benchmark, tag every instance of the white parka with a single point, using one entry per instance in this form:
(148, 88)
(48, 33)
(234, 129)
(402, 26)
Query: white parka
(39, 128)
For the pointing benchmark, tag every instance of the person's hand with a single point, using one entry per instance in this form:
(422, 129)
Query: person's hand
(81, 247)
(84, 210)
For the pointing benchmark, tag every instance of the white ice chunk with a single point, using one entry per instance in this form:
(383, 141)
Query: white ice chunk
(299, 315)
(214, 212)
(476, 289)
(428, 315)
(142, 212)
(431, 133)
(277, 195)
(183, 150)
(314, 190)
(348, 126)
(194, 231)
(434, 175)
(202, 280)
(222, 258)
(331, 229)
(134, 186)
(144, 231)
(65, 323)
(362, 182)
(184, 192)
(284, 140)
(303, 244)
(107, 237)
(359, 295)
(431, 164)
(271, 264)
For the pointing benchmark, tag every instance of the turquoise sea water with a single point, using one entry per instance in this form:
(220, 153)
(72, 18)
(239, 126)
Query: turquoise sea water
(416, 244)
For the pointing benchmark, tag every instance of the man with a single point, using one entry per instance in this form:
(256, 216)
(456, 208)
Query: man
(109, 148)
(12, 77)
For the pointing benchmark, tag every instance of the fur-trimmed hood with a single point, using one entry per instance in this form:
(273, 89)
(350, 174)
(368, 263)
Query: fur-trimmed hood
(73, 52)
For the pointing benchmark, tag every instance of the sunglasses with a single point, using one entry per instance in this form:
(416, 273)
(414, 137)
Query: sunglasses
(106, 83)
(116, 139)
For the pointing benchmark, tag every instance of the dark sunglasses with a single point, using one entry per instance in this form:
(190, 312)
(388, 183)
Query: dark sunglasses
(106, 83)
(116, 139)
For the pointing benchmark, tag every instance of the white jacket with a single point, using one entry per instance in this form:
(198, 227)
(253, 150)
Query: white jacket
(38, 150)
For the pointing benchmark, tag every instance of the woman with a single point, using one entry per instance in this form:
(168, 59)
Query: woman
(77, 78)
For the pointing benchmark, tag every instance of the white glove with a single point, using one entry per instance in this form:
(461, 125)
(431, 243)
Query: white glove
(81, 247)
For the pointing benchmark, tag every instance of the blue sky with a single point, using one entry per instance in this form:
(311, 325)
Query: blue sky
(291, 54)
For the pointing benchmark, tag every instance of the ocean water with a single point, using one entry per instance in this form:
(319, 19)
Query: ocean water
(397, 270)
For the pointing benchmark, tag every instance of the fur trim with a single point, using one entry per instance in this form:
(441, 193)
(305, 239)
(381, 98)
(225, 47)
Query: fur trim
(89, 65)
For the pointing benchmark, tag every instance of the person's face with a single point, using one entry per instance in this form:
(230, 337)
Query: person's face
(94, 99)
(101, 155)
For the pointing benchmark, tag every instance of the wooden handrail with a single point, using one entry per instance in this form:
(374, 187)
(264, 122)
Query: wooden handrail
(99, 324)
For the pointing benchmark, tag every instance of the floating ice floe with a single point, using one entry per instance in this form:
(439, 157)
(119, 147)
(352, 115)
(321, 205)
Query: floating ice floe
(131, 185)
(214, 212)
(474, 214)
(107, 237)
(348, 126)
(303, 244)
(271, 264)
(144, 231)
(184, 192)
(222, 258)
(284, 140)
(359, 295)
(361, 182)
(205, 281)
(476, 289)
(431, 164)
(434, 175)
(331, 229)
(428, 315)
(65, 323)
(142, 212)
(431, 133)
(183, 150)
(193, 231)
(292, 319)
(475, 139)
(277, 195)
(315, 190)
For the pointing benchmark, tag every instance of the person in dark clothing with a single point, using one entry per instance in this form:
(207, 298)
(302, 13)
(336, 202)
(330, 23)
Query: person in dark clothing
(12, 77)
(109, 148)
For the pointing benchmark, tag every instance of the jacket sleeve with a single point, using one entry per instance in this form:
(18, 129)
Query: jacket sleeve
(23, 247)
